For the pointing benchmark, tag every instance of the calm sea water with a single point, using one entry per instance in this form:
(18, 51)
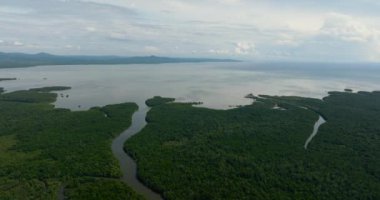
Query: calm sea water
(217, 85)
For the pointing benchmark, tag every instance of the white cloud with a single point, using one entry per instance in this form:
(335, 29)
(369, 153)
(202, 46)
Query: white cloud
(347, 28)
(286, 39)
(219, 51)
(118, 36)
(244, 48)
(90, 29)
(345, 38)
(18, 43)
(151, 49)
(15, 10)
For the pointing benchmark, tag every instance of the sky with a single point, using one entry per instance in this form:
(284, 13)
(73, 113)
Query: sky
(286, 30)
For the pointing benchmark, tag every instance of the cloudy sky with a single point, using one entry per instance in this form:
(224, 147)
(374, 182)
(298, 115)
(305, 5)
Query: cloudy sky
(307, 30)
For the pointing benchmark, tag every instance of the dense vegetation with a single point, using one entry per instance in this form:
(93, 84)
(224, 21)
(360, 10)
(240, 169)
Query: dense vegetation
(12, 60)
(35, 95)
(97, 189)
(256, 152)
(43, 149)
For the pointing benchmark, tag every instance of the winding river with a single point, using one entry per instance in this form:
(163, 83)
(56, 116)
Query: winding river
(127, 164)
(317, 124)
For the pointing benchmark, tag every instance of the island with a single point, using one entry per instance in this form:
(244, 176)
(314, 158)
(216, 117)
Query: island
(8, 79)
(158, 100)
(348, 90)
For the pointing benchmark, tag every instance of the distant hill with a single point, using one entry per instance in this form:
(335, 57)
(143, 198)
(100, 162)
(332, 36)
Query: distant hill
(13, 60)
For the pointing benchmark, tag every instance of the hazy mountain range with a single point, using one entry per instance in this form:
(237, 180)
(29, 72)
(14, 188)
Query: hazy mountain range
(12, 60)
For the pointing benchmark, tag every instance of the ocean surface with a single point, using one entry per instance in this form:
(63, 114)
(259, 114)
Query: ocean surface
(217, 85)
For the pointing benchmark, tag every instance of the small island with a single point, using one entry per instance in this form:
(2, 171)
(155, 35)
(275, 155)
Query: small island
(348, 90)
(8, 79)
(50, 89)
(157, 100)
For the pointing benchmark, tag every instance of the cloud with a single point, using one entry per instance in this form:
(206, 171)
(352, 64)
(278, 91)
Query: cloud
(219, 51)
(118, 36)
(18, 43)
(15, 10)
(244, 48)
(347, 38)
(270, 30)
(151, 49)
(346, 28)
(90, 29)
(340, 37)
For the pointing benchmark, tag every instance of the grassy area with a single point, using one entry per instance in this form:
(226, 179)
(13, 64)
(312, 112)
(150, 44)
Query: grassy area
(42, 148)
(256, 152)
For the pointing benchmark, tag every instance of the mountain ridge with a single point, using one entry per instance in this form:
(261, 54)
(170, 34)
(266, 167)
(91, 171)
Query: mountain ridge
(15, 60)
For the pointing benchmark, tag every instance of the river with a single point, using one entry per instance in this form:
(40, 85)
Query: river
(127, 164)
(317, 124)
